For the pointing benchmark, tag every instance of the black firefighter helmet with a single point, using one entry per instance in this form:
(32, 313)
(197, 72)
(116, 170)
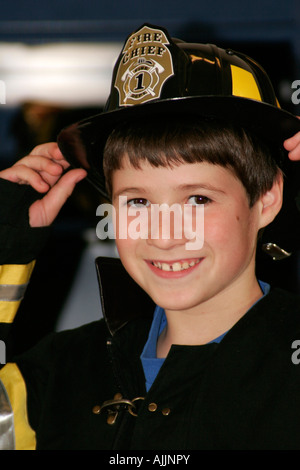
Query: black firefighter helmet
(156, 75)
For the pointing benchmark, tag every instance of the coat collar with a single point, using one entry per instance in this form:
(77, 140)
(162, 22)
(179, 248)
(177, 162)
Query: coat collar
(121, 298)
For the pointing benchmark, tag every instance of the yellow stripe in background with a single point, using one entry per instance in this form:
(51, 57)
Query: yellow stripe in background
(244, 84)
(16, 390)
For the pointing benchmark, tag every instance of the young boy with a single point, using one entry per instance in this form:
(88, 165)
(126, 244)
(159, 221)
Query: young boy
(193, 352)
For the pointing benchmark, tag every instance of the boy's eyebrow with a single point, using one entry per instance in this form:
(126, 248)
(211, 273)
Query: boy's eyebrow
(197, 186)
(128, 190)
(180, 187)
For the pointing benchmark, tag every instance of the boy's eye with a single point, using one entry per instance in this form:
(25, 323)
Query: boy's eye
(138, 202)
(198, 200)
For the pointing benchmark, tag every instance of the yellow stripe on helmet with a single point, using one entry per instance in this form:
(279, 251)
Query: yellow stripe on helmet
(244, 84)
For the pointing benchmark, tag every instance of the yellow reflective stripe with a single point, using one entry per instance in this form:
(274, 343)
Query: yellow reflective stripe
(11, 293)
(7, 433)
(16, 390)
(14, 276)
(8, 311)
(244, 84)
(16, 273)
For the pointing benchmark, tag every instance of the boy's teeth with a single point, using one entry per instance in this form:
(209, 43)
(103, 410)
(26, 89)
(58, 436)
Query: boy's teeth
(165, 267)
(177, 266)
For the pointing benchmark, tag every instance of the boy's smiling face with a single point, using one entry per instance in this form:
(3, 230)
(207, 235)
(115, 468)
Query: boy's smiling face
(175, 277)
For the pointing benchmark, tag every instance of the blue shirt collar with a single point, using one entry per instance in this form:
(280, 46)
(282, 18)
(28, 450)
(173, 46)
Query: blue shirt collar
(160, 321)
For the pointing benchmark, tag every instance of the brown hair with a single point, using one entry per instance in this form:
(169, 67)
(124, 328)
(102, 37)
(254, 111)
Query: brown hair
(175, 140)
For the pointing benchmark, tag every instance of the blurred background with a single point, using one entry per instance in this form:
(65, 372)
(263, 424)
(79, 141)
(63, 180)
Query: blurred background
(56, 60)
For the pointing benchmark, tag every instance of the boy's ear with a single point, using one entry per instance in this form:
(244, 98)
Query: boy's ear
(271, 202)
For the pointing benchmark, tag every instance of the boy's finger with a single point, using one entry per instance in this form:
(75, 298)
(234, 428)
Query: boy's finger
(295, 153)
(25, 175)
(44, 211)
(40, 164)
(49, 149)
(65, 186)
(292, 142)
(52, 151)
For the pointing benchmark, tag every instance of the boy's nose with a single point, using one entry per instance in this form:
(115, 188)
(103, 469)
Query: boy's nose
(165, 243)
(166, 231)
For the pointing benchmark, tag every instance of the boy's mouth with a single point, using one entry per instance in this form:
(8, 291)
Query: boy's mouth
(176, 266)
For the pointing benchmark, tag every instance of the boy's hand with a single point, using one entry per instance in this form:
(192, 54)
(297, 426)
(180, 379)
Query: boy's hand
(292, 145)
(43, 169)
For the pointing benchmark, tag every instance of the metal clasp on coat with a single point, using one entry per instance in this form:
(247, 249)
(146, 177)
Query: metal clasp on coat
(275, 251)
(118, 403)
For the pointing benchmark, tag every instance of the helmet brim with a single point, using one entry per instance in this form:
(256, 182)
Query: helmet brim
(82, 143)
